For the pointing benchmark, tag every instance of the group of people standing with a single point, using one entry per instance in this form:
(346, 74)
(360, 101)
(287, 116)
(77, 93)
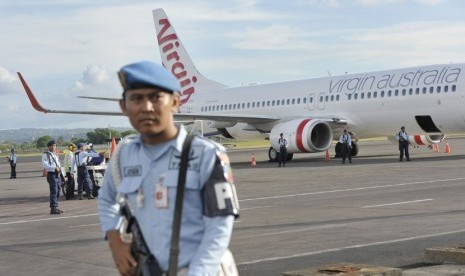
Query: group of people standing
(55, 177)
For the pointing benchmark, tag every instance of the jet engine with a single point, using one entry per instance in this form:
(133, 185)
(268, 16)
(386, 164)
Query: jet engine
(305, 135)
(428, 139)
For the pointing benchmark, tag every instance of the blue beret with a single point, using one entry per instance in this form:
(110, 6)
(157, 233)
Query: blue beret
(146, 74)
(51, 142)
(80, 145)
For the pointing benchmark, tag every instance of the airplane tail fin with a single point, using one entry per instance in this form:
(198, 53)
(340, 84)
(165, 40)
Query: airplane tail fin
(176, 59)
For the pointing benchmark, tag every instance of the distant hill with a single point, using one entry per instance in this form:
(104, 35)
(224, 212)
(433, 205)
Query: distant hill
(19, 136)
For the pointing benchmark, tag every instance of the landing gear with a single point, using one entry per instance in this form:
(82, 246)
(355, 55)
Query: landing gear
(338, 149)
(273, 155)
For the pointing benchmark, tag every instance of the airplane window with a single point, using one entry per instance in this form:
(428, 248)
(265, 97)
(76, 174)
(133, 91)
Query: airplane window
(217, 107)
(311, 100)
(431, 90)
(298, 100)
(288, 101)
(337, 97)
(222, 107)
(417, 90)
(253, 105)
(375, 94)
(268, 103)
(410, 91)
(248, 105)
(438, 89)
(277, 102)
(293, 101)
(355, 96)
(282, 102)
(382, 94)
(453, 88)
(362, 95)
(389, 93)
(326, 98)
(396, 92)
(368, 95)
(258, 104)
(446, 89)
(230, 106)
(349, 96)
(304, 100)
(424, 90)
(321, 98)
(332, 97)
(272, 103)
(404, 92)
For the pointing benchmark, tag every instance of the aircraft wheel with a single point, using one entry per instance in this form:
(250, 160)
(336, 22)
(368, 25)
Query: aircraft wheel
(272, 155)
(289, 157)
(354, 150)
(338, 149)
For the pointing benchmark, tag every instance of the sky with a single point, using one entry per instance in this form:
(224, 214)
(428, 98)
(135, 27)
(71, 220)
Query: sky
(70, 48)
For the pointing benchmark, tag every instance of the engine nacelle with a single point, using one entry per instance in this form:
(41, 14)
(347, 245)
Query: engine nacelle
(303, 135)
(422, 140)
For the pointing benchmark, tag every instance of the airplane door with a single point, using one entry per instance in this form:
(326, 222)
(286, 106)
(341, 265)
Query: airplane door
(311, 101)
(321, 100)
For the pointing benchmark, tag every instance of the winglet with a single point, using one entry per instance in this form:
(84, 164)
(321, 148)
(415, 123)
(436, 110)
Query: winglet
(31, 97)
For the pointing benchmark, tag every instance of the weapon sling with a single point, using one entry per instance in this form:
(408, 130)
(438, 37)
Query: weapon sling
(174, 251)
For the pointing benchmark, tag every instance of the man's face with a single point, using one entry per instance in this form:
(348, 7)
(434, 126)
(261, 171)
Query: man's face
(52, 148)
(149, 110)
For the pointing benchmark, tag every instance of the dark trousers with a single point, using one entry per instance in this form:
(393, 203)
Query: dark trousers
(83, 179)
(346, 153)
(69, 186)
(54, 183)
(403, 148)
(13, 170)
(282, 156)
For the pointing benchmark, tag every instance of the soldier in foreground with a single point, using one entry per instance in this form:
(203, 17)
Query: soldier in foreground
(149, 168)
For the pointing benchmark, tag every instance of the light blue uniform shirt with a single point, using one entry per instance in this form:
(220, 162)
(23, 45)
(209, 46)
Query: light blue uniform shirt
(203, 239)
(50, 164)
(82, 157)
(345, 138)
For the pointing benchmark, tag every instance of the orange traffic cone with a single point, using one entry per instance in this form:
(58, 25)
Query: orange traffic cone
(44, 172)
(447, 148)
(113, 146)
(253, 162)
(327, 156)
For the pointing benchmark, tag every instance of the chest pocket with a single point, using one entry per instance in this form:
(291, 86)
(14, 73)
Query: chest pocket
(130, 185)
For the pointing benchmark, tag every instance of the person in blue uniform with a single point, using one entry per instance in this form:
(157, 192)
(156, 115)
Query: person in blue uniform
(51, 163)
(346, 142)
(83, 178)
(12, 160)
(149, 166)
(402, 138)
(283, 145)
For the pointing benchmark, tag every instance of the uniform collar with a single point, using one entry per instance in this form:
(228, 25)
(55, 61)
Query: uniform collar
(175, 143)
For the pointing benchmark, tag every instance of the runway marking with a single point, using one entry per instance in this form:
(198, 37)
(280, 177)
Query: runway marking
(398, 203)
(84, 225)
(355, 189)
(252, 208)
(352, 247)
(55, 218)
(297, 230)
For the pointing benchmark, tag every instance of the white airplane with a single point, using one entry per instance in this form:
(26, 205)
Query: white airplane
(428, 100)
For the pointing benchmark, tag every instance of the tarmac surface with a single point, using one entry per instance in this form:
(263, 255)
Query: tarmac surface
(375, 211)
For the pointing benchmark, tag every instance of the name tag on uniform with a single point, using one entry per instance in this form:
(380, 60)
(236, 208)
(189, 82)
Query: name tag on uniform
(161, 196)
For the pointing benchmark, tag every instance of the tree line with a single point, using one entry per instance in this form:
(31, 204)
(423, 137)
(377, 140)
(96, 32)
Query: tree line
(98, 136)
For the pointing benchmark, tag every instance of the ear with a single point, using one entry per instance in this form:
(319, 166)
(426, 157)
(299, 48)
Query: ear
(122, 105)
(175, 102)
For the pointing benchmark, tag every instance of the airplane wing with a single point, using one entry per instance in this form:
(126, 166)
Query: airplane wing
(38, 107)
(252, 119)
(100, 98)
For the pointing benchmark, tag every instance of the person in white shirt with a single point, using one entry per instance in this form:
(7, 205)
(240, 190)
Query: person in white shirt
(51, 163)
(346, 142)
(282, 142)
(12, 159)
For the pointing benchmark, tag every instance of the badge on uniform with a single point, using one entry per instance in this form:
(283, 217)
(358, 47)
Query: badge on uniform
(161, 194)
